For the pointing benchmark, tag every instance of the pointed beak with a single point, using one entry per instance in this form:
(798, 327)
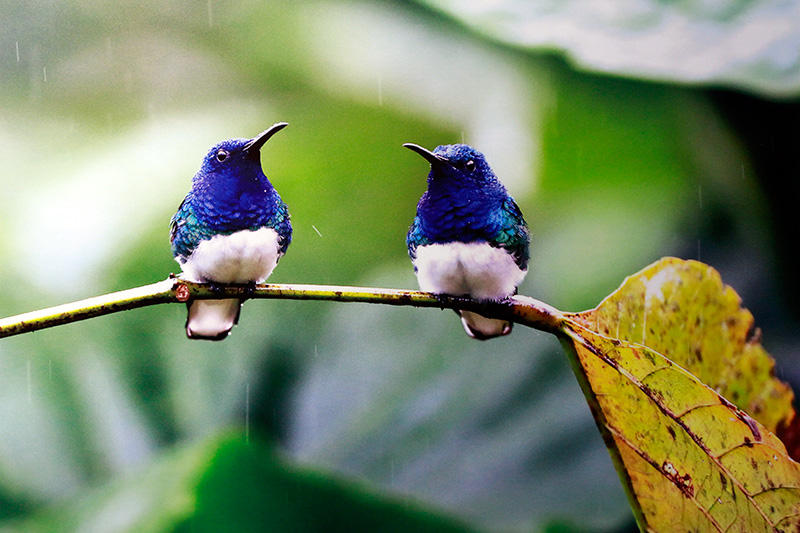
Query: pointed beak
(258, 141)
(432, 158)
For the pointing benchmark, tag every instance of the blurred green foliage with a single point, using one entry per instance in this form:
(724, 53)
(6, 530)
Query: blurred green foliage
(107, 111)
(230, 483)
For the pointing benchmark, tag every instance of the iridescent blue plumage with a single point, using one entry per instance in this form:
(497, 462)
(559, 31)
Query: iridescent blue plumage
(469, 237)
(232, 227)
(226, 197)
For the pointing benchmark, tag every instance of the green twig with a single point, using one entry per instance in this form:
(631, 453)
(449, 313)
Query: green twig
(519, 309)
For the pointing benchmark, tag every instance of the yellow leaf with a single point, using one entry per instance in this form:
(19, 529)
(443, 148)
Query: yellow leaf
(690, 459)
(682, 310)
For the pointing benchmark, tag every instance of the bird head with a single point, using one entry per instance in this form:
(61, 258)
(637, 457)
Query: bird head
(456, 162)
(238, 155)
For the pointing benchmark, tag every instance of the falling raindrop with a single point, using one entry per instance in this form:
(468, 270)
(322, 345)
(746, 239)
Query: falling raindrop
(44, 71)
(247, 413)
(315, 229)
(380, 89)
(16, 44)
(210, 16)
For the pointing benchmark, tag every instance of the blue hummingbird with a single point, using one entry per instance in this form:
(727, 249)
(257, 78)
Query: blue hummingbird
(469, 237)
(232, 227)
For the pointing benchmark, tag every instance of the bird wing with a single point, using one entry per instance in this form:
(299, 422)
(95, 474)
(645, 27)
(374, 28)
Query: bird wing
(281, 222)
(185, 231)
(175, 222)
(513, 235)
(416, 237)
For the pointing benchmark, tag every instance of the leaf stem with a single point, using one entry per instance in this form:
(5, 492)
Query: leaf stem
(156, 293)
(520, 309)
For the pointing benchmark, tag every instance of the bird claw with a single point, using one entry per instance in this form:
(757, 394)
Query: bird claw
(213, 286)
(447, 300)
(249, 288)
(442, 299)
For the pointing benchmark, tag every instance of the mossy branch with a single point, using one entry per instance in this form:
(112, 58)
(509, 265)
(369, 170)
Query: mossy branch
(520, 309)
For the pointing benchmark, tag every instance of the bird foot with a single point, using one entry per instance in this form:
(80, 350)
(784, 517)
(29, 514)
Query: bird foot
(445, 299)
(213, 286)
(442, 299)
(249, 289)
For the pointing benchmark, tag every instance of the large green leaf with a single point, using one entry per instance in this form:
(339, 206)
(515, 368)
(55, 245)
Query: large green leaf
(749, 45)
(232, 483)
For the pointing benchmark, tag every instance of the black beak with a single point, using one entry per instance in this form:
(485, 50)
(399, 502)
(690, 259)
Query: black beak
(258, 141)
(432, 158)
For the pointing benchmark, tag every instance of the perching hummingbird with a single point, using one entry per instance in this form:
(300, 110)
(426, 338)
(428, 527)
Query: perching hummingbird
(469, 237)
(232, 227)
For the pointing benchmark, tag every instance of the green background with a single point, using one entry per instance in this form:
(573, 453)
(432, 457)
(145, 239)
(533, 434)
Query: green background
(320, 416)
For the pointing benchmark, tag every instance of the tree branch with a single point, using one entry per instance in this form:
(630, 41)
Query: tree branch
(520, 309)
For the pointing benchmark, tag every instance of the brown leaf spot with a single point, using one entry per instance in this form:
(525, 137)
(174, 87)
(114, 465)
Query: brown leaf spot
(754, 335)
(655, 395)
(683, 482)
(752, 424)
(726, 403)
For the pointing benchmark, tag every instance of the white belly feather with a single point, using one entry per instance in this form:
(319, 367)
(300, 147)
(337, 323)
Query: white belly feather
(479, 270)
(241, 257)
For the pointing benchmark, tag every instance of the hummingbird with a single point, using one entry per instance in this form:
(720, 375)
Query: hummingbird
(469, 237)
(232, 227)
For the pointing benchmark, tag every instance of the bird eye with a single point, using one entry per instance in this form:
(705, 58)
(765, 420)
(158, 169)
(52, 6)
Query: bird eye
(222, 155)
(470, 165)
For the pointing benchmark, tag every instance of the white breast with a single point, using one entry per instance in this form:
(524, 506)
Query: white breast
(479, 270)
(241, 257)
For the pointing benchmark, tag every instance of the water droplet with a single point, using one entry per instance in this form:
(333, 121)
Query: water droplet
(247, 413)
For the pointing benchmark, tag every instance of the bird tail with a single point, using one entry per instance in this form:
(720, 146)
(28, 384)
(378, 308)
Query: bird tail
(482, 328)
(212, 319)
